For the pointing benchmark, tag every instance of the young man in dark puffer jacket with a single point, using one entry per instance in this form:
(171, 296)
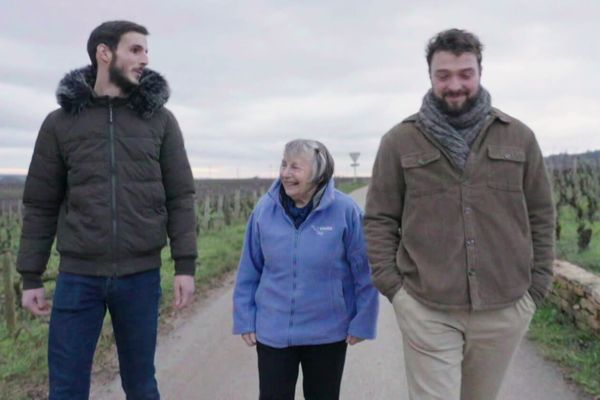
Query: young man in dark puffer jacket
(110, 179)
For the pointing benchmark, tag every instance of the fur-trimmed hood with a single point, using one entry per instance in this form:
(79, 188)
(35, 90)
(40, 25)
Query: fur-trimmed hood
(75, 92)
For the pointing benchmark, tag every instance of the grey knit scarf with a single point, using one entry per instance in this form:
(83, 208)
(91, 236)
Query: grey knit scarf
(456, 133)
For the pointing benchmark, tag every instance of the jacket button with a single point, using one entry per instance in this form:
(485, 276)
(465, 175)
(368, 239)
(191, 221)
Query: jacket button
(470, 242)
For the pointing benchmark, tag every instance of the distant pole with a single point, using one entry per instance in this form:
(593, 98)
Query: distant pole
(354, 156)
(10, 313)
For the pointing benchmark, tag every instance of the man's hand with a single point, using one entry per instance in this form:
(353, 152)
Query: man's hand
(184, 288)
(352, 340)
(34, 300)
(249, 338)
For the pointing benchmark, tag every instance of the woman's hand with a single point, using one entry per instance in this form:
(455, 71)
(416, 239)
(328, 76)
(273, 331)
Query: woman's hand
(249, 338)
(352, 340)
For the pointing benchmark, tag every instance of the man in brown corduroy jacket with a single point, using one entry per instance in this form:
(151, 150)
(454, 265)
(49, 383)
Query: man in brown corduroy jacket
(460, 229)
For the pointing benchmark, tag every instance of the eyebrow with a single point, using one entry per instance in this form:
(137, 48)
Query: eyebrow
(446, 70)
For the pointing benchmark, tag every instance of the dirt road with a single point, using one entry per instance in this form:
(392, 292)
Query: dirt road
(201, 359)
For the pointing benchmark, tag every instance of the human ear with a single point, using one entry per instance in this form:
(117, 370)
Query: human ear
(103, 54)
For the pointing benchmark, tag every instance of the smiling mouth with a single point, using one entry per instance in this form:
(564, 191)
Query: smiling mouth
(455, 95)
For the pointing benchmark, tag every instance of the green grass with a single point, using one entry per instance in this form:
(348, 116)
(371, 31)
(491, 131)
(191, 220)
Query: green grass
(566, 247)
(348, 187)
(23, 364)
(577, 350)
(219, 253)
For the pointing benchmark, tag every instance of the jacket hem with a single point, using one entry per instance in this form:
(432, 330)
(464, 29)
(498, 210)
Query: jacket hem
(279, 345)
(461, 307)
(124, 267)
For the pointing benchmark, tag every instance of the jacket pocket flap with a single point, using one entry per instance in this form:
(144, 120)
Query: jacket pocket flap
(506, 153)
(419, 159)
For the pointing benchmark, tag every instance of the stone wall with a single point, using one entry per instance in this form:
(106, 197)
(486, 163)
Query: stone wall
(577, 292)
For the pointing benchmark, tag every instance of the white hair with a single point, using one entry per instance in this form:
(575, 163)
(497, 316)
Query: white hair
(316, 153)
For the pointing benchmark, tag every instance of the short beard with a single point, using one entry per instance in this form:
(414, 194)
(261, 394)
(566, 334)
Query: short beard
(118, 78)
(455, 112)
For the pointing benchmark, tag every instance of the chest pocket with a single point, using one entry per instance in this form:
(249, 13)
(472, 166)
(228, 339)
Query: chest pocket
(506, 168)
(423, 173)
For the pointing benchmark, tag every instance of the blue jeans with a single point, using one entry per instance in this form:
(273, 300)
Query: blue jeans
(78, 310)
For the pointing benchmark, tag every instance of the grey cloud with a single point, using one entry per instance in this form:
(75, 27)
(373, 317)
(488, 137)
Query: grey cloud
(247, 76)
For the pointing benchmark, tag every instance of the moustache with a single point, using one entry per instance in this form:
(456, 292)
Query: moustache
(455, 93)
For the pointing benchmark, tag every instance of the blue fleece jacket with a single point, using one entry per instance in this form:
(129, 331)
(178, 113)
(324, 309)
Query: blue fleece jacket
(310, 285)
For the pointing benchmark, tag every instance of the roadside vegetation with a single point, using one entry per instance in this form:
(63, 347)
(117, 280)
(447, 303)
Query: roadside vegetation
(23, 364)
(576, 350)
(351, 185)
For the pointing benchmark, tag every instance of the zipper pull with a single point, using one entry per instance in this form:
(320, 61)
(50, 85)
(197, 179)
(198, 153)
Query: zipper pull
(110, 114)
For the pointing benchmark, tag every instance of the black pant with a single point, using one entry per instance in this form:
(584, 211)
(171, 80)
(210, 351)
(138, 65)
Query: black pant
(322, 368)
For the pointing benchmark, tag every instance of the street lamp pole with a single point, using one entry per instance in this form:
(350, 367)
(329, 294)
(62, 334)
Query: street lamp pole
(354, 156)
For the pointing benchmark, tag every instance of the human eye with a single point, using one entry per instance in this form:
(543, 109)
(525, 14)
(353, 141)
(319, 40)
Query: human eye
(467, 74)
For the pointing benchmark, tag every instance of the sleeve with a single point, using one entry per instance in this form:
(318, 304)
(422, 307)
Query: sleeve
(42, 198)
(179, 189)
(248, 277)
(364, 323)
(383, 216)
(540, 206)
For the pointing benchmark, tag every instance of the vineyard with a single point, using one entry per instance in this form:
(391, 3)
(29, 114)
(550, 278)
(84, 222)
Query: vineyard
(221, 211)
(576, 183)
(220, 204)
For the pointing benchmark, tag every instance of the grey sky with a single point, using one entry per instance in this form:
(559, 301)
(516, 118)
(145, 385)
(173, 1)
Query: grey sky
(247, 76)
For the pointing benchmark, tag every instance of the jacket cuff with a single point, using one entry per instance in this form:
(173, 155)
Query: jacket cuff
(391, 292)
(185, 266)
(537, 296)
(31, 280)
(365, 334)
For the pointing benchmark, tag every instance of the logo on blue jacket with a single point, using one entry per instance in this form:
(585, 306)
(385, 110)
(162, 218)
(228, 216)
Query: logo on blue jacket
(320, 230)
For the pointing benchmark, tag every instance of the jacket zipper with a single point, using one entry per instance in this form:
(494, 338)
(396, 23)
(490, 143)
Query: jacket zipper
(294, 274)
(294, 261)
(113, 187)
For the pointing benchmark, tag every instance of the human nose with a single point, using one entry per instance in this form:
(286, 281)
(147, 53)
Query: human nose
(285, 171)
(454, 83)
(144, 59)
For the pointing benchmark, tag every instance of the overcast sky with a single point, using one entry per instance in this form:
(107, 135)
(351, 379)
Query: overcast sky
(247, 76)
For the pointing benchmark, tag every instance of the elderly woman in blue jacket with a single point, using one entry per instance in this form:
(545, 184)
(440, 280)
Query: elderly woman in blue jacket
(303, 290)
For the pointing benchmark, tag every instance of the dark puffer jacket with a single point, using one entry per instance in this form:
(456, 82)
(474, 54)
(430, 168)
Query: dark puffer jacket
(110, 178)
